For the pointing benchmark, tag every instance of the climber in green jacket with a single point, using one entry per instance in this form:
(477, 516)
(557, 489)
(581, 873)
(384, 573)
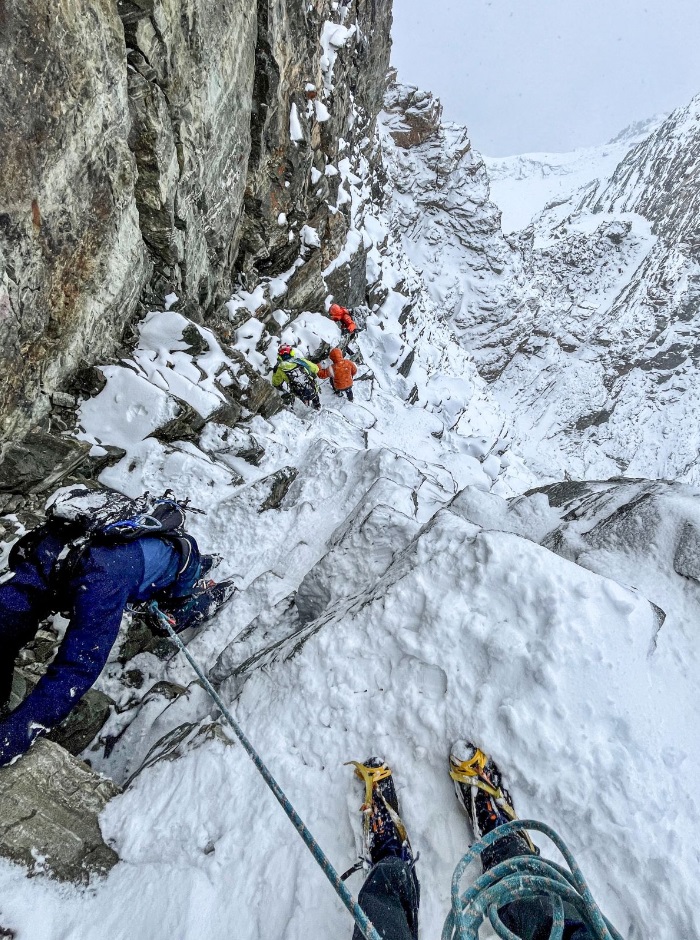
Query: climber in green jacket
(298, 374)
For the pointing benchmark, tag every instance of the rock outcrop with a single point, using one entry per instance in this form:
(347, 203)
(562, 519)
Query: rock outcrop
(189, 72)
(72, 259)
(449, 228)
(49, 806)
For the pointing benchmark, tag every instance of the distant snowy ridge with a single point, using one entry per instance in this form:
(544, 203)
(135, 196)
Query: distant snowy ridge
(523, 185)
(618, 273)
(585, 321)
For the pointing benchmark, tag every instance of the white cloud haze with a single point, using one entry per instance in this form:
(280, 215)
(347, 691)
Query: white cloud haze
(527, 75)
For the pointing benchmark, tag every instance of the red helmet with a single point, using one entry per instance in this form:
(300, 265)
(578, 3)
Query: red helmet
(284, 352)
(336, 312)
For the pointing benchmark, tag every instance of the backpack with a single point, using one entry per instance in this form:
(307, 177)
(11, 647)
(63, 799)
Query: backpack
(83, 517)
(300, 377)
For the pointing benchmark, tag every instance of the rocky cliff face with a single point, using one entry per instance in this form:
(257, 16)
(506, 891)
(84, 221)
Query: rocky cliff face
(189, 73)
(157, 146)
(72, 260)
(448, 225)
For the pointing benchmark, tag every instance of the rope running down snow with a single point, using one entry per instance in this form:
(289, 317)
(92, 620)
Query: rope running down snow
(526, 876)
(364, 924)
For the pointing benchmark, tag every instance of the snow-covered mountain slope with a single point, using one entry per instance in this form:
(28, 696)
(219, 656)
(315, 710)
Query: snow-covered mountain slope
(405, 575)
(584, 322)
(523, 185)
(607, 371)
(379, 613)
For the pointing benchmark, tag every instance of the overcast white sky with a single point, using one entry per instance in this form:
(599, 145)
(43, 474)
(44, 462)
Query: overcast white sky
(527, 75)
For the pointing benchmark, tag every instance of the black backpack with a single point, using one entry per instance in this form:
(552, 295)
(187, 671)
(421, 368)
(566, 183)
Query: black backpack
(83, 517)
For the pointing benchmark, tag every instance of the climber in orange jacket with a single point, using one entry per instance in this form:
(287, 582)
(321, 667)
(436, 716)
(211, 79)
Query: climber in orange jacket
(342, 317)
(340, 372)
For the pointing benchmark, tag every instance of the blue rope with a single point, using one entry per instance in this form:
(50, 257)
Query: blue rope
(522, 877)
(361, 919)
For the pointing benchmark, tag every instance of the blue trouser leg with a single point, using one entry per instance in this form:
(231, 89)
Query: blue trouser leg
(530, 919)
(24, 603)
(390, 898)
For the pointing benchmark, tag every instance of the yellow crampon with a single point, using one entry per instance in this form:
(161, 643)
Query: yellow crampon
(469, 772)
(372, 776)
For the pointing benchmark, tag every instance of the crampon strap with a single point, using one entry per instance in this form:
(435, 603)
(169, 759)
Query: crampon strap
(470, 771)
(371, 777)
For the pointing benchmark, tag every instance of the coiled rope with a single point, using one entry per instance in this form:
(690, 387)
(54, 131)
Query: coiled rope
(361, 919)
(523, 877)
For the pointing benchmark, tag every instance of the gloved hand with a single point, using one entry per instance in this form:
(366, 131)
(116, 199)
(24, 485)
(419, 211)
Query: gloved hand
(288, 398)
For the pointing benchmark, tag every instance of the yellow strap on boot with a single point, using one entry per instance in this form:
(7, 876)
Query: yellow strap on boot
(467, 771)
(370, 775)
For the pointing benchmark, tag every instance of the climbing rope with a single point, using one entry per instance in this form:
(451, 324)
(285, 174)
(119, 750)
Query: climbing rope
(523, 877)
(364, 924)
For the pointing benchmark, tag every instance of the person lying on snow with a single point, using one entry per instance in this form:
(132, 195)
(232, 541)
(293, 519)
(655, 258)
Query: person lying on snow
(298, 374)
(98, 552)
(391, 894)
(340, 372)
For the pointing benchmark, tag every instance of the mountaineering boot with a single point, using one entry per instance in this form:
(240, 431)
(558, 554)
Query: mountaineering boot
(479, 788)
(206, 600)
(390, 895)
(384, 833)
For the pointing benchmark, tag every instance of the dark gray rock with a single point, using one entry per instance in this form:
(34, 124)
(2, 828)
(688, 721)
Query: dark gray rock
(229, 415)
(687, 558)
(49, 808)
(39, 462)
(255, 394)
(185, 426)
(238, 443)
(348, 282)
(86, 381)
(277, 486)
(72, 260)
(142, 638)
(407, 364)
(84, 723)
(94, 465)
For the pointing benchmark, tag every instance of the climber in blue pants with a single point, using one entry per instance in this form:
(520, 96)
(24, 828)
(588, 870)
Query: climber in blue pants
(105, 579)
(390, 895)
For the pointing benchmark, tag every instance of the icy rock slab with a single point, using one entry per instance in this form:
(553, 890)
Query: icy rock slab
(687, 558)
(49, 808)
